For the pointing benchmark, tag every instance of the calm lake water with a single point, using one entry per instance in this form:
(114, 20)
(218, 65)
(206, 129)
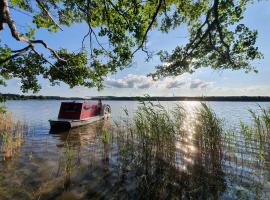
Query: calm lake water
(37, 113)
(102, 170)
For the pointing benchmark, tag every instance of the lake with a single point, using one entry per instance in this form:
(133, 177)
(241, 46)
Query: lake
(37, 113)
(84, 164)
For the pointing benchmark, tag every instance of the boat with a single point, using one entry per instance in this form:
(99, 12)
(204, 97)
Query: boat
(75, 114)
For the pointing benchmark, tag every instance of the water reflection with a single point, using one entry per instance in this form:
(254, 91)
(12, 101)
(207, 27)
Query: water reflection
(153, 156)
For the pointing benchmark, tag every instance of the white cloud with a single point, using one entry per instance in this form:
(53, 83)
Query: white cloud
(144, 82)
(175, 84)
(199, 84)
(131, 81)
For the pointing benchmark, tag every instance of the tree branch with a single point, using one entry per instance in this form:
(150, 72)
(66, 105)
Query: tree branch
(47, 47)
(42, 6)
(96, 38)
(149, 26)
(119, 12)
(34, 50)
(86, 35)
(15, 34)
(17, 53)
(2, 14)
(219, 29)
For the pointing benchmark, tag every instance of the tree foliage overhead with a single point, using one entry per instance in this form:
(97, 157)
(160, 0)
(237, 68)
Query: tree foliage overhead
(217, 38)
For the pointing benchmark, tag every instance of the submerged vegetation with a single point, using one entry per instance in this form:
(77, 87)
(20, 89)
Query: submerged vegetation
(154, 153)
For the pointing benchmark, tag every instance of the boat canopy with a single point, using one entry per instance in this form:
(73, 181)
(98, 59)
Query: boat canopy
(79, 110)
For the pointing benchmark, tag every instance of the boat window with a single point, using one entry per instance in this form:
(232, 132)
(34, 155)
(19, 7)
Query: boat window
(71, 107)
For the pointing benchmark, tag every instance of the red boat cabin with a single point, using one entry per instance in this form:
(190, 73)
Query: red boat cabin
(79, 110)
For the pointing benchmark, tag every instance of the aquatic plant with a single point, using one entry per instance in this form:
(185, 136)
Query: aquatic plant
(208, 137)
(155, 145)
(69, 163)
(11, 135)
(160, 153)
(155, 122)
(149, 147)
(106, 137)
(209, 127)
(2, 109)
(257, 135)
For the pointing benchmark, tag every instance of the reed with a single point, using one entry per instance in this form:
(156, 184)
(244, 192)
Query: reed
(146, 146)
(156, 146)
(106, 136)
(157, 128)
(208, 141)
(257, 133)
(11, 135)
(69, 163)
(208, 126)
(2, 109)
(155, 122)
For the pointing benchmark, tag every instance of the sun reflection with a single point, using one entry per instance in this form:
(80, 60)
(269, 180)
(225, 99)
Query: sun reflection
(186, 144)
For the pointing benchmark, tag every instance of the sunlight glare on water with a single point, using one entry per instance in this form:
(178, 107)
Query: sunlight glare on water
(185, 144)
(100, 163)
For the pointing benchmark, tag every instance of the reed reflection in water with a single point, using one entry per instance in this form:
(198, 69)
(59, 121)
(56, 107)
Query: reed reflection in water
(158, 153)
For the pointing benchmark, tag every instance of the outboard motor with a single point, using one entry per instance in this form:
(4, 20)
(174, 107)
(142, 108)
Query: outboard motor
(106, 111)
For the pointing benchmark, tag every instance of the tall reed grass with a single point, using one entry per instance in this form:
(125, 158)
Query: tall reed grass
(154, 145)
(257, 133)
(154, 132)
(154, 128)
(69, 164)
(209, 129)
(11, 135)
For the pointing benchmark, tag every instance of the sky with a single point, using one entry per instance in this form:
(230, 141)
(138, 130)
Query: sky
(133, 81)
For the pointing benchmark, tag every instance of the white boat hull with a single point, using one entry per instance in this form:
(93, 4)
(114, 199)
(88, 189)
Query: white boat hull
(69, 123)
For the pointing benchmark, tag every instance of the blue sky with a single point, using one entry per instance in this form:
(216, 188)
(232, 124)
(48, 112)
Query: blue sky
(133, 81)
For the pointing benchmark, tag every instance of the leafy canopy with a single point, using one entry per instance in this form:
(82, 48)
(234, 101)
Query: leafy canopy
(217, 38)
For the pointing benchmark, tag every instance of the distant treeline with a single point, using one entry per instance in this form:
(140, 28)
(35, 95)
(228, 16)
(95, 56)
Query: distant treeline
(183, 98)
(156, 98)
(37, 97)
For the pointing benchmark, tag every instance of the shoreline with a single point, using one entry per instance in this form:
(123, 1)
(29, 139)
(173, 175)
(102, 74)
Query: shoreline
(143, 98)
